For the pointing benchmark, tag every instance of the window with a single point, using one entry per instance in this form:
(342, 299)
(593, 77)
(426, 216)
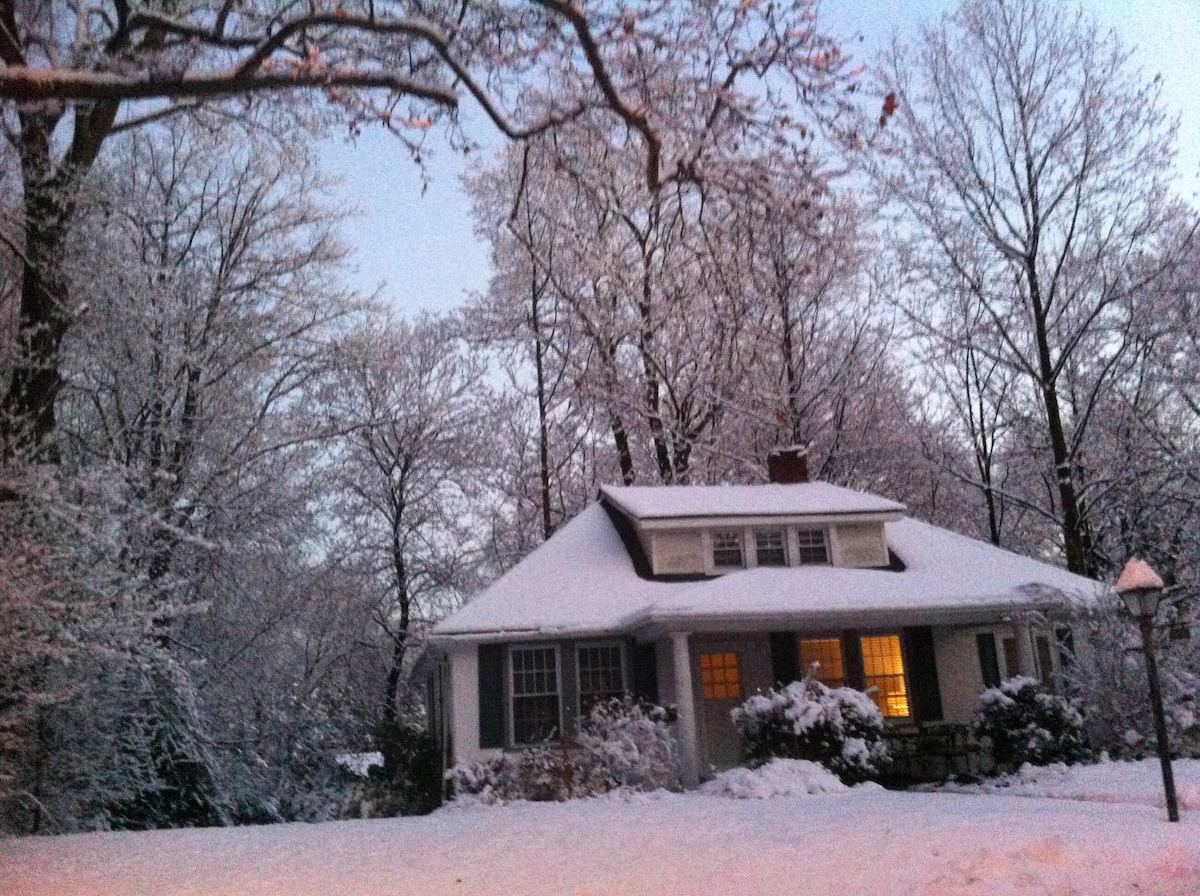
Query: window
(810, 544)
(719, 676)
(768, 548)
(827, 653)
(727, 549)
(535, 714)
(601, 674)
(883, 668)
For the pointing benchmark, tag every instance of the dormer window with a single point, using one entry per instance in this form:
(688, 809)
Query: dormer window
(811, 546)
(727, 549)
(769, 547)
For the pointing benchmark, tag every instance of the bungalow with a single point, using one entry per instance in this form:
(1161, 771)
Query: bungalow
(696, 597)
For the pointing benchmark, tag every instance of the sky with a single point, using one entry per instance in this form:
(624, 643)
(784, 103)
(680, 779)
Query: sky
(789, 829)
(412, 237)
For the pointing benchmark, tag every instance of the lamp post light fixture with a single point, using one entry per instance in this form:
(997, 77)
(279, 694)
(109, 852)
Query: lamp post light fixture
(1141, 589)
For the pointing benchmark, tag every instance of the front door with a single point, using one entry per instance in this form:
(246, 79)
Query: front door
(725, 671)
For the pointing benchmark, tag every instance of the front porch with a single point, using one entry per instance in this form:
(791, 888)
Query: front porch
(925, 680)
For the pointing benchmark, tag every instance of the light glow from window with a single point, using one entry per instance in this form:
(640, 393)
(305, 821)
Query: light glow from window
(827, 653)
(719, 676)
(883, 665)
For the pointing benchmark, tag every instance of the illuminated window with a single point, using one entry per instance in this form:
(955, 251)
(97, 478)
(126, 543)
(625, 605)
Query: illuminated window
(768, 548)
(534, 694)
(601, 675)
(827, 653)
(883, 666)
(811, 547)
(727, 549)
(719, 676)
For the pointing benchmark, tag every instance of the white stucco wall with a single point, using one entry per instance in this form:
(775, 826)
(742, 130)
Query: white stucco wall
(464, 704)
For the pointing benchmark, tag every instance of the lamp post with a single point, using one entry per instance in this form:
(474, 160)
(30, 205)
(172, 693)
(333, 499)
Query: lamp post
(1141, 589)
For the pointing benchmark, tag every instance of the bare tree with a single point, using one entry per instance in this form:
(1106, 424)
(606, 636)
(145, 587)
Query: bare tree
(406, 397)
(1034, 167)
(72, 75)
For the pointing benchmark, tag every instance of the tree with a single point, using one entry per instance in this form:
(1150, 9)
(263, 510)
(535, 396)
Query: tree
(74, 75)
(166, 558)
(408, 399)
(1034, 168)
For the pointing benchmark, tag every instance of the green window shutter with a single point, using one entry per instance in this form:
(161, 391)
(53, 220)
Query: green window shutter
(644, 671)
(785, 658)
(852, 660)
(491, 695)
(920, 669)
(989, 659)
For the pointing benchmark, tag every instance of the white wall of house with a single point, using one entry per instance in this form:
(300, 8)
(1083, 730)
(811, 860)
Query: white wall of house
(960, 680)
(464, 703)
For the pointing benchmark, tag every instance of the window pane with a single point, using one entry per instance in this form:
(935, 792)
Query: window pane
(768, 548)
(719, 676)
(883, 665)
(827, 652)
(811, 546)
(534, 694)
(600, 674)
(727, 549)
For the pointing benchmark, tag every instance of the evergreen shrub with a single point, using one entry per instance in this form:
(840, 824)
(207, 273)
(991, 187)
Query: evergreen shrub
(840, 728)
(1021, 722)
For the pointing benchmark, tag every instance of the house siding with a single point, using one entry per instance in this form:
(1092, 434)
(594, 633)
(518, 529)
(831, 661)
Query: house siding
(958, 654)
(859, 545)
(676, 553)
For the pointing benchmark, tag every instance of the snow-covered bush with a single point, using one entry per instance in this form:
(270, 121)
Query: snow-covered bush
(778, 777)
(840, 728)
(620, 745)
(1020, 722)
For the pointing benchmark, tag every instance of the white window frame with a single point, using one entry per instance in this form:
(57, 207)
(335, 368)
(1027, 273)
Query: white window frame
(621, 660)
(733, 532)
(512, 694)
(782, 532)
(798, 557)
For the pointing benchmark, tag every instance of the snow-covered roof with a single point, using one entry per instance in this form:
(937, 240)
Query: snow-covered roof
(650, 502)
(582, 582)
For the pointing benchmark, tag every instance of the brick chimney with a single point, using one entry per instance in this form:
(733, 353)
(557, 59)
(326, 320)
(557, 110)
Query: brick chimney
(788, 465)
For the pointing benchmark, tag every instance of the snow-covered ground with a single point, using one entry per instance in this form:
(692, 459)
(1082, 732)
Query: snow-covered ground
(1086, 831)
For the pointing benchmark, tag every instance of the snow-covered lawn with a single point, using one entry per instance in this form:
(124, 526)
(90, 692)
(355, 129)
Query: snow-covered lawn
(1091, 831)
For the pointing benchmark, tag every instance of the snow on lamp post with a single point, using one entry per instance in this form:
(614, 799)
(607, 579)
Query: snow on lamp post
(1141, 589)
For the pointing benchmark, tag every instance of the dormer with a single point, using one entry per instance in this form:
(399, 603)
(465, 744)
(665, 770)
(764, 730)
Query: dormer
(713, 530)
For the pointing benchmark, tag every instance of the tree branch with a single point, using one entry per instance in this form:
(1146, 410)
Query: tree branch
(25, 84)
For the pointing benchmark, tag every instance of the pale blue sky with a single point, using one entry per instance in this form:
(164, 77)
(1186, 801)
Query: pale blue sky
(421, 247)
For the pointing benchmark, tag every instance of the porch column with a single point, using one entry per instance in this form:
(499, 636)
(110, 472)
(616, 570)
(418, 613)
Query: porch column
(686, 709)
(1024, 649)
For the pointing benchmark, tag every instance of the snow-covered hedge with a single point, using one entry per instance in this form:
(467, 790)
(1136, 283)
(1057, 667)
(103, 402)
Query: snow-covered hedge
(840, 728)
(620, 745)
(1020, 722)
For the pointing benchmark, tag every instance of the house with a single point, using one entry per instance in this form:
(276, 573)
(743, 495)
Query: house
(697, 597)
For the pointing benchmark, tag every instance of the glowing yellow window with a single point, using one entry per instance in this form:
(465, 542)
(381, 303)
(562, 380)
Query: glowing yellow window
(883, 667)
(827, 654)
(719, 676)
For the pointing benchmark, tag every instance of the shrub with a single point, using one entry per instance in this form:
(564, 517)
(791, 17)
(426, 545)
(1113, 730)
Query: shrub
(409, 779)
(840, 728)
(620, 745)
(1023, 723)
(1109, 680)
